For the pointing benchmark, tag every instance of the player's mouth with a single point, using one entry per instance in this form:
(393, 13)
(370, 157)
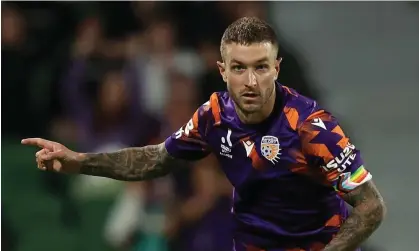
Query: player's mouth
(250, 95)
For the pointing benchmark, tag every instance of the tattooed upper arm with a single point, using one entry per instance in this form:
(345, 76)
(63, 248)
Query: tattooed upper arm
(366, 193)
(368, 202)
(366, 217)
(133, 164)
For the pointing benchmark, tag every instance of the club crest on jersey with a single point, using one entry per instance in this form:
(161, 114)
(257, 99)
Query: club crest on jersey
(270, 149)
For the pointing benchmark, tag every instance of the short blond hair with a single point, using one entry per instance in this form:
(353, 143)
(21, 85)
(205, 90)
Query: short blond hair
(246, 31)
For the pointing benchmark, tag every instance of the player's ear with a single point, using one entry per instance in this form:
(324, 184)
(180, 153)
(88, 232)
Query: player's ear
(277, 67)
(222, 69)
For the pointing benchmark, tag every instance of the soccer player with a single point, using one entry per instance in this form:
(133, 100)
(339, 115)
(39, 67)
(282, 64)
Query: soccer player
(291, 165)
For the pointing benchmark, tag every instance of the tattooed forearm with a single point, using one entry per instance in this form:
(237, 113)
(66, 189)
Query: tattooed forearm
(367, 215)
(130, 164)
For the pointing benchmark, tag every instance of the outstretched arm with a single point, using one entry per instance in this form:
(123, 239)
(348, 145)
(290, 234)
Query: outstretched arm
(367, 214)
(130, 164)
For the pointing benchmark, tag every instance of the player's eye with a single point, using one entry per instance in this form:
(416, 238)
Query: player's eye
(262, 67)
(238, 68)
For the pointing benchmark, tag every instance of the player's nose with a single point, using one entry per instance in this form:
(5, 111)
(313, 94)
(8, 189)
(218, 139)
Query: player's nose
(252, 81)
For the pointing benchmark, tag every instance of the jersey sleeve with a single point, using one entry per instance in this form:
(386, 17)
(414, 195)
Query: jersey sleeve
(189, 142)
(326, 147)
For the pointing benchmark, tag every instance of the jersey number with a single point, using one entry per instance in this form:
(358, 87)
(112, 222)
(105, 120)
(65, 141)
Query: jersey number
(189, 126)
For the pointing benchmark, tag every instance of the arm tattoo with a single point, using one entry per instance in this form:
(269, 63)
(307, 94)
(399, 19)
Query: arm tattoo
(368, 213)
(130, 164)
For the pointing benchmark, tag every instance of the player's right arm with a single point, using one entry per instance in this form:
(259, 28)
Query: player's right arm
(130, 164)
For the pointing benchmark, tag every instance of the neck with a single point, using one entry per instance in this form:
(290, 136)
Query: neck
(257, 117)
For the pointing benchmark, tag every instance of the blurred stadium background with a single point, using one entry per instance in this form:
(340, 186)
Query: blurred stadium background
(101, 76)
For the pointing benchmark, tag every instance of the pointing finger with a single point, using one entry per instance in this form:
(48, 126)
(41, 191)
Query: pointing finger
(42, 143)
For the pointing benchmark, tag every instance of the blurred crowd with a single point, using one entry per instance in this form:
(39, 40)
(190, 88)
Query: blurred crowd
(103, 76)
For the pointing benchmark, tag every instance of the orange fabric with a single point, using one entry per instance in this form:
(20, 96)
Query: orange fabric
(215, 106)
(334, 221)
(344, 141)
(292, 116)
(194, 132)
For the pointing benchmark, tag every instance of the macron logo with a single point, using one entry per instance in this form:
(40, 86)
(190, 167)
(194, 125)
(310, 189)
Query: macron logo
(248, 146)
(319, 122)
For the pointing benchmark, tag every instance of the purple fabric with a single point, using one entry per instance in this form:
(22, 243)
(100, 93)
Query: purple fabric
(283, 195)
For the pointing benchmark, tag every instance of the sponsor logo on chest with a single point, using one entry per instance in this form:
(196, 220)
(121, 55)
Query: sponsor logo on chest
(226, 149)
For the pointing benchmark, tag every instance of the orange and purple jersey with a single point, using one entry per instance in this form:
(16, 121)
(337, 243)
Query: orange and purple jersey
(288, 172)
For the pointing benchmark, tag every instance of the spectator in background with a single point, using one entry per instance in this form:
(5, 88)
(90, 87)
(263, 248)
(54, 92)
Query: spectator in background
(156, 53)
(103, 101)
